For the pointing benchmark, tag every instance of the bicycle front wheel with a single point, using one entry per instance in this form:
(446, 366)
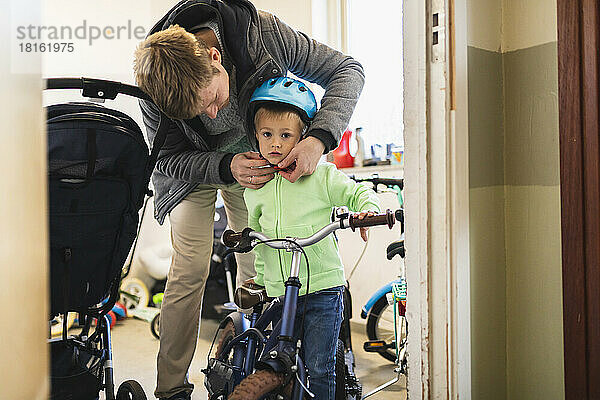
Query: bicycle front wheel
(258, 385)
(225, 336)
(155, 326)
(380, 326)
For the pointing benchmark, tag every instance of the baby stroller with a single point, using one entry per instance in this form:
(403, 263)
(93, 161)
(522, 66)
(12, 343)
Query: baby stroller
(99, 169)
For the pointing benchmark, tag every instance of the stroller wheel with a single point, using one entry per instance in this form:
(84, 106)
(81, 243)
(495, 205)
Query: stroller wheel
(131, 390)
(134, 293)
(155, 326)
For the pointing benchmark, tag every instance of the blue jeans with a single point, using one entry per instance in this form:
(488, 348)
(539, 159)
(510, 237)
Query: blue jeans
(324, 313)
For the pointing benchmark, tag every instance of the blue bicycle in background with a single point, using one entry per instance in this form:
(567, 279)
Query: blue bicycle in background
(382, 324)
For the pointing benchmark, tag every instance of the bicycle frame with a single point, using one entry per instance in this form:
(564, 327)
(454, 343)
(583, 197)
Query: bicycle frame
(282, 349)
(252, 337)
(281, 344)
(280, 352)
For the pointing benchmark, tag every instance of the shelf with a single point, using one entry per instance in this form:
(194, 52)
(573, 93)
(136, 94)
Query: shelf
(389, 170)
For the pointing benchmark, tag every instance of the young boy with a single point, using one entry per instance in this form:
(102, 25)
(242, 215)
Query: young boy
(281, 110)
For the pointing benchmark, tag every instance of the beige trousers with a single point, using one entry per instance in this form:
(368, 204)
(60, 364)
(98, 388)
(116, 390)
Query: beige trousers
(192, 223)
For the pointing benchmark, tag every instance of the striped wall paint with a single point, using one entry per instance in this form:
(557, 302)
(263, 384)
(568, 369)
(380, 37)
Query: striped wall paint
(516, 284)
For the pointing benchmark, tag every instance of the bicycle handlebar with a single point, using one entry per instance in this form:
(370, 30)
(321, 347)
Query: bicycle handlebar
(242, 242)
(376, 180)
(386, 218)
(231, 238)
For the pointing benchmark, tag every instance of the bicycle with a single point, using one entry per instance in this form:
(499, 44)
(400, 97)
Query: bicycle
(398, 302)
(378, 310)
(253, 362)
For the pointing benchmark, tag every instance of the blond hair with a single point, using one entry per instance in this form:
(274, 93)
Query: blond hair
(279, 111)
(172, 66)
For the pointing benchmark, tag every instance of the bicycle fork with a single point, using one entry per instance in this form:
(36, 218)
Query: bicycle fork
(284, 357)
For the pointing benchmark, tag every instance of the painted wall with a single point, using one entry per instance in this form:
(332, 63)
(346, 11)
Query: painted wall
(534, 338)
(23, 250)
(297, 14)
(516, 284)
(487, 205)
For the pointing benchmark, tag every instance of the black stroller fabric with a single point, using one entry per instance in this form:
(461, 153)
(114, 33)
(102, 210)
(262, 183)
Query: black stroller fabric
(99, 169)
(76, 372)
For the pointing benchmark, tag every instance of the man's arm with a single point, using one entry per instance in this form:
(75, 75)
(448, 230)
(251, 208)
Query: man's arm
(178, 159)
(340, 75)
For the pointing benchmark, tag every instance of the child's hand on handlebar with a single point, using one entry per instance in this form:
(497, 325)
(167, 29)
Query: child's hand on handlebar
(363, 231)
(249, 283)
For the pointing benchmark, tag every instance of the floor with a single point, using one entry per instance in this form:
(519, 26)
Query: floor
(134, 350)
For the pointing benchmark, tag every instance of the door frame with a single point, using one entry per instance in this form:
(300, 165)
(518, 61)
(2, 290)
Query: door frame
(578, 88)
(437, 199)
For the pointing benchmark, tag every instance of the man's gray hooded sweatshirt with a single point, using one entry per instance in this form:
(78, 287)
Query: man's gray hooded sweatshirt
(257, 46)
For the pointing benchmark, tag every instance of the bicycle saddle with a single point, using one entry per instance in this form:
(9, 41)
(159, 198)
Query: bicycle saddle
(250, 294)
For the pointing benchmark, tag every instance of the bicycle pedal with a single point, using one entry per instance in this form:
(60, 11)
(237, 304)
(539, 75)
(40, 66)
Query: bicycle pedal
(375, 346)
(218, 377)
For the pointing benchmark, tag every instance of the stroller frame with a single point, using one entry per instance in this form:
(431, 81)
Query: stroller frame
(98, 344)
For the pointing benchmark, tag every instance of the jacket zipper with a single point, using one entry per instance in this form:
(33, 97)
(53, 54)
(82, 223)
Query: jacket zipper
(277, 205)
(278, 220)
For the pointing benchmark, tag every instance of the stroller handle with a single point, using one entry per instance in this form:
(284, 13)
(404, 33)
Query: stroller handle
(96, 88)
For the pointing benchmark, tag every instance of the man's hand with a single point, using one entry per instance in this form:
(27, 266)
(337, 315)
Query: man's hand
(251, 170)
(306, 154)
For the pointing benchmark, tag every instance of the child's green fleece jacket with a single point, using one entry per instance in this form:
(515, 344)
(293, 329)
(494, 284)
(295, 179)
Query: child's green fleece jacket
(284, 209)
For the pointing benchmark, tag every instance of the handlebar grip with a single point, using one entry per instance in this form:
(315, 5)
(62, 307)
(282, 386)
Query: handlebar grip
(399, 214)
(231, 238)
(386, 218)
(391, 182)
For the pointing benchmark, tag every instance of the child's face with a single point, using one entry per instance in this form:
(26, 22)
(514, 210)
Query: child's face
(277, 136)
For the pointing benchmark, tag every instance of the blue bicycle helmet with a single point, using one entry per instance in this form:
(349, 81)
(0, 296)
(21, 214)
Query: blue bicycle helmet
(286, 91)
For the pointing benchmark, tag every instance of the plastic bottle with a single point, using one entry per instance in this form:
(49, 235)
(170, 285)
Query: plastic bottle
(359, 157)
(341, 155)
